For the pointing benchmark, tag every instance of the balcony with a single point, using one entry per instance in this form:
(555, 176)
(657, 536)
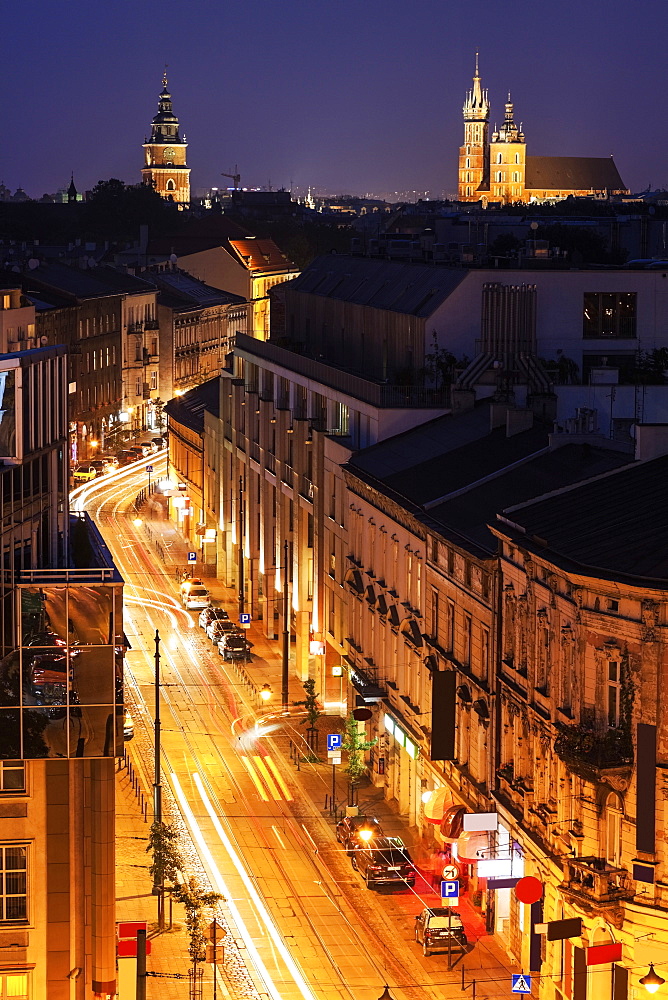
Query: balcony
(593, 754)
(596, 881)
(151, 324)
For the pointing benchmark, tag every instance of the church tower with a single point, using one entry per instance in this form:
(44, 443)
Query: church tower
(165, 154)
(507, 161)
(473, 158)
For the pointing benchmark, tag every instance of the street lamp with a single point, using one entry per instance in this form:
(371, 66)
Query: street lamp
(137, 521)
(651, 981)
(265, 692)
(386, 995)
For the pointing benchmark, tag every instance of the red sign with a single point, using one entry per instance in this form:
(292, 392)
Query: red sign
(529, 889)
(128, 948)
(603, 954)
(129, 929)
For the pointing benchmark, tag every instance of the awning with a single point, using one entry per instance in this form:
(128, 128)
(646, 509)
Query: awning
(381, 604)
(452, 823)
(435, 806)
(471, 847)
(411, 631)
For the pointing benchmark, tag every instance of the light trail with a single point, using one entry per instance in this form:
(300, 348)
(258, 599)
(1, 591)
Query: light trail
(260, 905)
(223, 889)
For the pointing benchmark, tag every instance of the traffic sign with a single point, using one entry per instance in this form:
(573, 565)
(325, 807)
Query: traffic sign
(450, 889)
(192, 557)
(334, 756)
(334, 741)
(244, 619)
(521, 983)
(450, 872)
(149, 468)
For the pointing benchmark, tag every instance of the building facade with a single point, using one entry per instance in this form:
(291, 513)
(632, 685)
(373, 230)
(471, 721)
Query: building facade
(165, 167)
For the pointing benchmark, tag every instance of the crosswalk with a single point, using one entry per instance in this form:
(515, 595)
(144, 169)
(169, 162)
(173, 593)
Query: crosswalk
(266, 777)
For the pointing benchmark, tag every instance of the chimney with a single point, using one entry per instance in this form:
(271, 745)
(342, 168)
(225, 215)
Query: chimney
(518, 421)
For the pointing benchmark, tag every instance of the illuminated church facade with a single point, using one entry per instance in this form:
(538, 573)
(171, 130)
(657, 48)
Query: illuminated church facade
(165, 166)
(498, 170)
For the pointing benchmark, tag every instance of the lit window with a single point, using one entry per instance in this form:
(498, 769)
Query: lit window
(389, 724)
(13, 883)
(14, 984)
(12, 776)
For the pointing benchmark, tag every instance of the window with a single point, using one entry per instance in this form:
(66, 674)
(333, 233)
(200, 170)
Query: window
(12, 776)
(449, 626)
(468, 628)
(484, 653)
(138, 391)
(154, 380)
(613, 605)
(499, 159)
(468, 162)
(170, 185)
(14, 984)
(613, 693)
(13, 882)
(433, 622)
(609, 314)
(613, 830)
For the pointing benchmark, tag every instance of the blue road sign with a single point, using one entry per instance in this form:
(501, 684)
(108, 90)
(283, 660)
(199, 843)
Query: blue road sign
(192, 557)
(244, 619)
(521, 983)
(450, 889)
(149, 468)
(334, 741)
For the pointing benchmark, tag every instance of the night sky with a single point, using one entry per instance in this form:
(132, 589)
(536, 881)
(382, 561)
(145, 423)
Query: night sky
(359, 96)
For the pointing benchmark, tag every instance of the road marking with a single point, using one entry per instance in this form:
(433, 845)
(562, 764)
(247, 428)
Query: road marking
(279, 838)
(281, 784)
(260, 765)
(254, 778)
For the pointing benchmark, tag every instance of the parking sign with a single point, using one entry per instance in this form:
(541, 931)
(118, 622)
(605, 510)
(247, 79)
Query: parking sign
(244, 619)
(334, 741)
(450, 889)
(192, 557)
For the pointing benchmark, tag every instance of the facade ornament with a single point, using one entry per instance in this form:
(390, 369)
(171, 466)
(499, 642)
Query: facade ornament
(650, 620)
(541, 615)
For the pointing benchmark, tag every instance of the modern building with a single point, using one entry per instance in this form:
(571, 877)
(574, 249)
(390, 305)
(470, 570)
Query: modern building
(498, 169)
(165, 167)
(61, 703)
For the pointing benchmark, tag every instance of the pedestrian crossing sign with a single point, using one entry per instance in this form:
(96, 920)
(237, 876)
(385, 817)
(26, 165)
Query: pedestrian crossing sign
(521, 983)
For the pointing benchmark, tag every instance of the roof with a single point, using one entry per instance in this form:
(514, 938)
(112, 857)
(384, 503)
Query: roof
(615, 523)
(455, 475)
(189, 408)
(261, 255)
(397, 286)
(182, 291)
(84, 283)
(198, 235)
(572, 173)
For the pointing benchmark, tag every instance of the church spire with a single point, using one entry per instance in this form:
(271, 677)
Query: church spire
(476, 105)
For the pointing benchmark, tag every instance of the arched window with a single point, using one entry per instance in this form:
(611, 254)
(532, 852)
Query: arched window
(516, 177)
(499, 176)
(612, 815)
(171, 186)
(517, 157)
(499, 157)
(468, 161)
(468, 190)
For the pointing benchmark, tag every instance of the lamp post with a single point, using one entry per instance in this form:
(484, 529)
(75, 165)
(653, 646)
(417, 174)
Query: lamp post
(468, 986)
(158, 881)
(285, 646)
(242, 585)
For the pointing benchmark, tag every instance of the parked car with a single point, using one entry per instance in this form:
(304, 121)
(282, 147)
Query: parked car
(188, 585)
(125, 457)
(209, 614)
(84, 473)
(233, 646)
(157, 444)
(440, 927)
(387, 862)
(137, 450)
(357, 831)
(128, 726)
(197, 597)
(218, 627)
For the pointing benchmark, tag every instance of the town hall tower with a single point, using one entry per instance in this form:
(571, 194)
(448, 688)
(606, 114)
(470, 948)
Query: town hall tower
(165, 154)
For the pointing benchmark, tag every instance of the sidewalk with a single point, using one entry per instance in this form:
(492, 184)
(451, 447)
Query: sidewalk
(487, 961)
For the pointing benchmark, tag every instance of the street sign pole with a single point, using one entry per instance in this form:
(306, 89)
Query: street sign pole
(333, 787)
(449, 939)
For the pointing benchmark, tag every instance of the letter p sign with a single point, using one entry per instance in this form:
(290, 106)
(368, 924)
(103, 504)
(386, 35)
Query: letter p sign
(450, 890)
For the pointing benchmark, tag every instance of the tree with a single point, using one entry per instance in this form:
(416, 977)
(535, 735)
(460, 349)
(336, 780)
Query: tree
(355, 746)
(313, 713)
(439, 364)
(196, 902)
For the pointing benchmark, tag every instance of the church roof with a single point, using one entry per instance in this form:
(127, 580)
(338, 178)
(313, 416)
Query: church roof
(572, 173)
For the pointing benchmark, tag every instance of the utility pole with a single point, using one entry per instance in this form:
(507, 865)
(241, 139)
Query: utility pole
(242, 585)
(158, 886)
(286, 631)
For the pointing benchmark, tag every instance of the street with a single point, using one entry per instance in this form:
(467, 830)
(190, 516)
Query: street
(294, 911)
